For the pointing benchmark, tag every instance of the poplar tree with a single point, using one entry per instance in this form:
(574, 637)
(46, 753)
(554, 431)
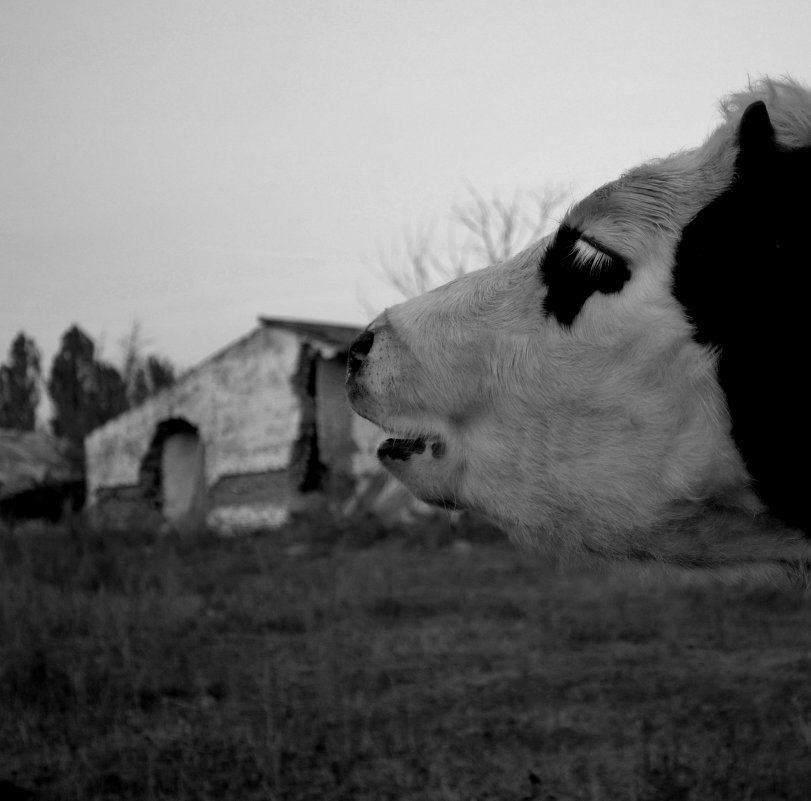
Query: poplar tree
(20, 385)
(85, 392)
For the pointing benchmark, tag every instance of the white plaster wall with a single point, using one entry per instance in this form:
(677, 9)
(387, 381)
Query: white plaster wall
(241, 401)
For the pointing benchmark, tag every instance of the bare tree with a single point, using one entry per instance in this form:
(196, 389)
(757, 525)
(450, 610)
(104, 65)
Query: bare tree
(480, 231)
(143, 374)
(132, 356)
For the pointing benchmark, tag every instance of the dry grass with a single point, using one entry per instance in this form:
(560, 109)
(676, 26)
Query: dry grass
(389, 669)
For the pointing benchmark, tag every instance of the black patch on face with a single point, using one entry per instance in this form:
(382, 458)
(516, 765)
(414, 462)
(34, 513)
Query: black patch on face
(743, 275)
(570, 282)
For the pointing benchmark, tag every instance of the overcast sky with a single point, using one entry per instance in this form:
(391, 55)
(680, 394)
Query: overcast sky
(194, 164)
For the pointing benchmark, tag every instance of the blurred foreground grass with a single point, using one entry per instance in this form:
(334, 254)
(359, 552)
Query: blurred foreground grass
(331, 664)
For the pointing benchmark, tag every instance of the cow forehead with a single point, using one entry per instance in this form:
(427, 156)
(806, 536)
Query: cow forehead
(649, 204)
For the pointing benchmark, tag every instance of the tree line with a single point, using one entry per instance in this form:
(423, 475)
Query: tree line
(85, 391)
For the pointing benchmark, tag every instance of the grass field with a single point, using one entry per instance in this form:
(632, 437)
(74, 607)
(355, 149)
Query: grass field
(308, 665)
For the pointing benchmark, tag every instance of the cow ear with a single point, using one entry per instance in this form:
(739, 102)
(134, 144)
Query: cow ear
(756, 133)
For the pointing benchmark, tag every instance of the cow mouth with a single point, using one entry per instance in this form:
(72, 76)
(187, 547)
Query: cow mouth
(403, 448)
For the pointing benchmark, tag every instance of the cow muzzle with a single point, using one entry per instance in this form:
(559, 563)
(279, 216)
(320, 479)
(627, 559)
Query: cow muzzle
(382, 385)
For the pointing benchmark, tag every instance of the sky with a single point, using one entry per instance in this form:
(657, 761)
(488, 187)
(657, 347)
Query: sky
(191, 165)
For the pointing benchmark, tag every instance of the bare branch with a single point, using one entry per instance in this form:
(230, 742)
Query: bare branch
(480, 231)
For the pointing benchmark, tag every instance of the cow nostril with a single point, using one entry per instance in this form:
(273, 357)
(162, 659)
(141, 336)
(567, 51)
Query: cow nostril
(359, 350)
(363, 344)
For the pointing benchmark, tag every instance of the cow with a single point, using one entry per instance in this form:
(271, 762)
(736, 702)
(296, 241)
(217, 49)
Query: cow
(632, 385)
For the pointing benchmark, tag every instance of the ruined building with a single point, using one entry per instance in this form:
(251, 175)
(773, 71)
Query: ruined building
(254, 432)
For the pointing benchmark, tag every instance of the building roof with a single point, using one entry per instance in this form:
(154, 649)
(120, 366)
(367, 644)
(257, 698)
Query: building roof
(331, 333)
(32, 459)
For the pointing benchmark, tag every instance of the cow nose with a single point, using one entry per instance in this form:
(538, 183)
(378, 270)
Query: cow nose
(358, 351)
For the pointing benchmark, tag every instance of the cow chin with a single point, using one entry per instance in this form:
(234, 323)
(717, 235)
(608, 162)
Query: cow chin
(422, 461)
(422, 464)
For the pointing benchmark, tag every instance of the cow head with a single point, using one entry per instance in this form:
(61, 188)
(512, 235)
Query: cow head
(594, 390)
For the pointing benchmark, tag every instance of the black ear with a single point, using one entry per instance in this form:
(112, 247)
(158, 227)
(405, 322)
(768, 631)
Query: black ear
(756, 133)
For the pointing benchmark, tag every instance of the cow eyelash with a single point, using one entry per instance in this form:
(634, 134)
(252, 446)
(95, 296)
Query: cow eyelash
(587, 254)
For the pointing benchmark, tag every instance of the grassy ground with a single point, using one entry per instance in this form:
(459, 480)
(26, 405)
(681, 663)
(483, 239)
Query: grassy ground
(399, 668)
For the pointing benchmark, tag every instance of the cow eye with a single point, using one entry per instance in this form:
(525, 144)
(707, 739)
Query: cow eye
(588, 254)
(574, 268)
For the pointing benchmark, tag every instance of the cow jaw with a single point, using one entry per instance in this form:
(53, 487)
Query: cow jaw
(421, 463)
(417, 457)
